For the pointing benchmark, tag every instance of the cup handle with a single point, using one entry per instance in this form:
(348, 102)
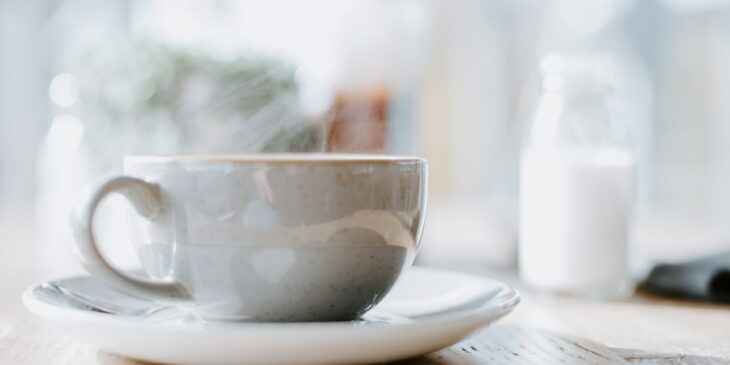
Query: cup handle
(146, 199)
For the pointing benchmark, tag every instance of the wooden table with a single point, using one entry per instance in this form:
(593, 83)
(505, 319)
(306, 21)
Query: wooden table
(542, 330)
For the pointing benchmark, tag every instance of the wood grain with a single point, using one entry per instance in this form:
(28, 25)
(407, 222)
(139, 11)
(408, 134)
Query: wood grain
(503, 345)
(639, 357)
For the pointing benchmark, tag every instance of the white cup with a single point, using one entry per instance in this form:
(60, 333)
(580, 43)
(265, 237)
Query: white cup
(289, 237)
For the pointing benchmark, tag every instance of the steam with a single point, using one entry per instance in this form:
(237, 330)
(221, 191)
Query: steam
(139, 97)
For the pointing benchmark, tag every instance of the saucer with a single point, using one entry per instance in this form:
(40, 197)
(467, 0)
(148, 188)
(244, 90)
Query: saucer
(427, 310)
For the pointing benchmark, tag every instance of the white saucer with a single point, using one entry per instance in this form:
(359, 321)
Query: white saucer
(428, 310)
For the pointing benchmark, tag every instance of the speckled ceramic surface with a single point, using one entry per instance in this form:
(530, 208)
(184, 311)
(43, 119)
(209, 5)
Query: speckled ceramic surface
(427, 310)
(272, 237)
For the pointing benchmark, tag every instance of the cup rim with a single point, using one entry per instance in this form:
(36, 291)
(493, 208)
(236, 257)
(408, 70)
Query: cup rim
(317, 158)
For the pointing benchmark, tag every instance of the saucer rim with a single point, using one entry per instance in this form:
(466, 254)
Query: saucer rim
(492, 309)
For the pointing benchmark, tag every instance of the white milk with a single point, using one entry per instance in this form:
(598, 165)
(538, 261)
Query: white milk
(575, 206)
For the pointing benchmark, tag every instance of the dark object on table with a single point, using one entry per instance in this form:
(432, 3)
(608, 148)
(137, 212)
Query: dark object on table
(706, 279)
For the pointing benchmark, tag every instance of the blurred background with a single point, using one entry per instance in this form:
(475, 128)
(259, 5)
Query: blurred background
(83, 83)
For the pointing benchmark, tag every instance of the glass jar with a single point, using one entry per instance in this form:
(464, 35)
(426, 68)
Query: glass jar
(577, 182)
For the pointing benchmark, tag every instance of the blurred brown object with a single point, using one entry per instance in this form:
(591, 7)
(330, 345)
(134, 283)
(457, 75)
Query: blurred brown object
(359, 122)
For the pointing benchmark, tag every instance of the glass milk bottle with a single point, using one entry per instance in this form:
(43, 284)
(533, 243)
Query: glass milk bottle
(576, 183)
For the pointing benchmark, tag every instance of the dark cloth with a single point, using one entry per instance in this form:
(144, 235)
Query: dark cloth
(705, 279)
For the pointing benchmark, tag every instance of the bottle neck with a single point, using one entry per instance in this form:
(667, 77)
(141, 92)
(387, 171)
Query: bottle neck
(578, 112)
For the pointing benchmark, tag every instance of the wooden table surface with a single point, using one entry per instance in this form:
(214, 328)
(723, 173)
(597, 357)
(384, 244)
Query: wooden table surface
(542, 330)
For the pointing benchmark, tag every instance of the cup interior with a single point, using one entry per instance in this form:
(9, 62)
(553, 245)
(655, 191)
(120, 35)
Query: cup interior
(274, 158)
